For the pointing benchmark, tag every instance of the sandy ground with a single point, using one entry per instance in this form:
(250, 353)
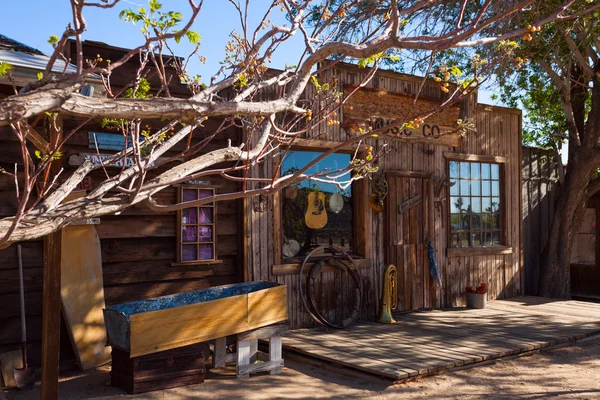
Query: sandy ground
(565, 373)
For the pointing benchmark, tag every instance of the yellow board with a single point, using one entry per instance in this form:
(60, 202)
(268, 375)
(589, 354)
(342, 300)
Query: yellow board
(155, 331)
(160, 330)
(82, 294)
(267, 307)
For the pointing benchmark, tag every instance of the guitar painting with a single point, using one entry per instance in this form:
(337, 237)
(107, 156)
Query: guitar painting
(316, 215)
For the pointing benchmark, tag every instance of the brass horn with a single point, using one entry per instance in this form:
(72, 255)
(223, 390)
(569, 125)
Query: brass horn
(389, 296)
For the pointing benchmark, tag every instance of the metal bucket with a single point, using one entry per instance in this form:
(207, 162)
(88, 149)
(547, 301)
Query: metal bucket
(476, 300)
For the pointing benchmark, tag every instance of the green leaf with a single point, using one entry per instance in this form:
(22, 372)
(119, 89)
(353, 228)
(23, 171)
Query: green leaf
(4, 68)
(40, 75)
(38, 154)
(52, 40)
(456, 71)
(154, 5)
(193, 36)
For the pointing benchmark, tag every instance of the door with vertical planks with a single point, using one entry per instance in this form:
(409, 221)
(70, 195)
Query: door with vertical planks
(408, 216)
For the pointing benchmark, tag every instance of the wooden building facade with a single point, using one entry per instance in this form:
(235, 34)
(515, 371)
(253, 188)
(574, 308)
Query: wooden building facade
(464, 193)
(423, 174)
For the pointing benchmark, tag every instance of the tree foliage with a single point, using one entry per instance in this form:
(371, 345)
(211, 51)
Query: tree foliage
(268, 106)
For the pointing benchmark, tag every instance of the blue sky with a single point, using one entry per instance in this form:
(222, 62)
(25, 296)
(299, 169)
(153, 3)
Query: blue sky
(32, 22)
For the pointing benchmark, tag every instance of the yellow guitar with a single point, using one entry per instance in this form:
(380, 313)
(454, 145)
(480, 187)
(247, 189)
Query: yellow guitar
(316, 215)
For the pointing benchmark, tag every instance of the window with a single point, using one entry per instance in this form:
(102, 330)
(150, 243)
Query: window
(196, 227)
(475, 204)
(315, 213)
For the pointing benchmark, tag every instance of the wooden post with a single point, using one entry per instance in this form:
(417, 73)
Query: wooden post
(220, 353)
(243, 358)
(51, 316)
(51, 289)
(275, 343)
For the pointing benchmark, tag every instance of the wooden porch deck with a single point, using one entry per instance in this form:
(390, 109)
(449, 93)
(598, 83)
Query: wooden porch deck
(427, 342)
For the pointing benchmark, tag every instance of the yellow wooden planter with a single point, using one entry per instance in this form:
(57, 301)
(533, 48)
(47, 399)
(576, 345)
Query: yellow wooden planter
(162, 323)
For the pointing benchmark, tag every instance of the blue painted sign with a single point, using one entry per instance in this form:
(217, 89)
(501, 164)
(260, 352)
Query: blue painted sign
(108, 141)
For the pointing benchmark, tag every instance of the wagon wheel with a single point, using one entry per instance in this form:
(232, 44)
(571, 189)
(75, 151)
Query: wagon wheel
(314, 272)
(310, 303)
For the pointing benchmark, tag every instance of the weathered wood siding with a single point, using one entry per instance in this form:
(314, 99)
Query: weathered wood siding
(540, 191)
(138, 246)
(498, 134)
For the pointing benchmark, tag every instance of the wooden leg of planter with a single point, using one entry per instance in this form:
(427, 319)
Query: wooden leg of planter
(253, 350)
(275, 352)
(220, 352)
(243, 358)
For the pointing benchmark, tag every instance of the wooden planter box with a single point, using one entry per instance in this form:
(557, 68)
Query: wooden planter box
(166, 369)
(162, 323)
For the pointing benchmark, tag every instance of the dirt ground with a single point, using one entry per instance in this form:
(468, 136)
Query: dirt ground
(565, 373)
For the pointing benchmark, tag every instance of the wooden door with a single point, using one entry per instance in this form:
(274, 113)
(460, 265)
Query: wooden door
(409, 208)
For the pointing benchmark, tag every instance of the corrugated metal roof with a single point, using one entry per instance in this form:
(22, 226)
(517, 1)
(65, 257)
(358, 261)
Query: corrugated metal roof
(7, 43)
(21, 55)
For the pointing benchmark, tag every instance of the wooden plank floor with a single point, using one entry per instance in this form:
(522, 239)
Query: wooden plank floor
(426, 342)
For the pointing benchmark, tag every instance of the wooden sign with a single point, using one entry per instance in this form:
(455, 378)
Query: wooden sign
(89, 221)
(198, 182)
(107, 141)
(78, 159)
(85, 184)
(375, 108)
(409, 203)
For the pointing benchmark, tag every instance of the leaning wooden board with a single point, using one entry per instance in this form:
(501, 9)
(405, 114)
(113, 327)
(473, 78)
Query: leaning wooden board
(82, 294)
(149, 326)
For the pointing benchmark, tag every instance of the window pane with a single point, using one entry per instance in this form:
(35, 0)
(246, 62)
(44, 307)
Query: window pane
(487, 221)
(453, 169)
(206, 215)
(475, 171)
(486, 204)
(476, 239)
(486, 188)
(476, 221)
(465, 188)
(466, 204)
(476, 204)
(465, 172)
(454, 187)
(190, 194)
(454, 240)
(475, 188)
(189, 216)
(189, 234)
(455, 204)
(495, 204)
(205, 233)
(189, 252)
(204, 193)
(488, 239)
(495, 171)
(496, 221)
(206, 252)
(339, 227)
(466, 221)
(496, 238)
(485, 171)
(495, 188)
(455, 221)
(464, 239)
